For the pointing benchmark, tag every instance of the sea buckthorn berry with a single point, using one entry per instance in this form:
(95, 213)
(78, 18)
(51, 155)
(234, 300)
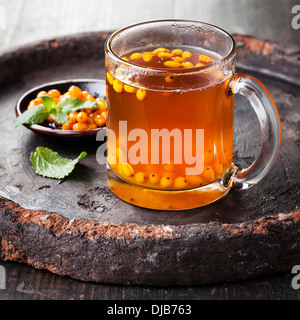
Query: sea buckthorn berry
(100, 120)
(75, 92)
(104, 114)
(177, 59)
(147, 57)
(129, 89)
(136, 56)
(54, 93)
(85, 94)
(172, 64)
(82, 117)
(158, 50)
(154, 178)
(200, 64)
(187, 64)
(80, 126)
(208, 174)
(110, 78)
(67, 126)
(88, 111)
(92, 126)
(72, 117)
(148, 52)
(118, 86)
(180, 183)
(165, 55)
(141, 94)
(166, 182)
(42, 93)
(65, 96)
(90, 98)
(177, 52)
(169, 79)
(205, 59)
(186, 54)
(101, 104)
(32, 103)
(194, 181)
(127, 169)
(141, 177)
(38, 101)
(125, 58)
(91, 118)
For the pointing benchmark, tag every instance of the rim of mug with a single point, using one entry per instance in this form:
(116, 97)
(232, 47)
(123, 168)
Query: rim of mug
(221, 62)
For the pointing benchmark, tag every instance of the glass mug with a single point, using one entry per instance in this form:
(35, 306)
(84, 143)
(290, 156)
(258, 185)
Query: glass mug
(170, 99)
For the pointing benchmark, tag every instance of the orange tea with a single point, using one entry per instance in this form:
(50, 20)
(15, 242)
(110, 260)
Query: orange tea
(170, 99)
(184, 119)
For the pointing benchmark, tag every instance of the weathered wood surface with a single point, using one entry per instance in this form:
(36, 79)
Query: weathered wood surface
(79, 229)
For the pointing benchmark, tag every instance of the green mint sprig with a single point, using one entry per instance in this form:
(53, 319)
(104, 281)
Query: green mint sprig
(59, 112)
(50, 164)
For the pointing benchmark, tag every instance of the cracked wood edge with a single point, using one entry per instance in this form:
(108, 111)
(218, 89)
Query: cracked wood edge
(268, 58)
(155, 255)
(59, 225)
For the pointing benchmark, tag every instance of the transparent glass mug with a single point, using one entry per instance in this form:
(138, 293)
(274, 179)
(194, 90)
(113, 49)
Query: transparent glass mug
(170, 98)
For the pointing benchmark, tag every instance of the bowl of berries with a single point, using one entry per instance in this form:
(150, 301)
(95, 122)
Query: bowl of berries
(66, 108)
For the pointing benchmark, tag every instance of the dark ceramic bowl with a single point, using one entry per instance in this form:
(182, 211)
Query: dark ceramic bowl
(96, 88)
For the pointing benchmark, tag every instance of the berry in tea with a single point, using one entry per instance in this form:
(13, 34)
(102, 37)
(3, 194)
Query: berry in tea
(177, 100)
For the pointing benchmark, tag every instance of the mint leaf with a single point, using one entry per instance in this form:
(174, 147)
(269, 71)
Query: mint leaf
(59, 112)
(48, 163)
(37, 114)
(60, 117)
(56, 111)
(48, 102)
(74, 104)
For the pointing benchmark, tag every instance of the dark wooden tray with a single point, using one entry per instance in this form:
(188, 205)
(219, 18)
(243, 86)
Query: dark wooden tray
(78, 228)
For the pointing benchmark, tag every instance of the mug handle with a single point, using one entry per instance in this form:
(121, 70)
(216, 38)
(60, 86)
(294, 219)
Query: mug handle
(262, 103)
